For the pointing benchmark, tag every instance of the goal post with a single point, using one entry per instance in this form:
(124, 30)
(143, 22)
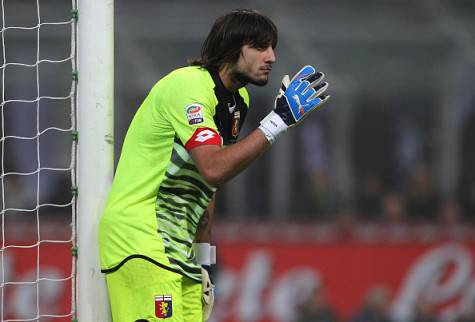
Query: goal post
(95, 99)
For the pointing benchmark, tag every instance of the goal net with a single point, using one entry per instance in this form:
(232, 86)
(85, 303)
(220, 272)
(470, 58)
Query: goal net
(38, 160)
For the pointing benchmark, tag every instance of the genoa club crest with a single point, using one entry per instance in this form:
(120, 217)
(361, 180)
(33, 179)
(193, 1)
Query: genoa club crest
(235, 124)
(163, 306)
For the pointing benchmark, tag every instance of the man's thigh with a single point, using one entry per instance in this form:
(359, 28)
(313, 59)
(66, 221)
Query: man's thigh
(142, 291)
(191, 299)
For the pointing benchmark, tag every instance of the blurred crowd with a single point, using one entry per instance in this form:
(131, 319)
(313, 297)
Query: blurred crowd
(395, 164)
(374, 308)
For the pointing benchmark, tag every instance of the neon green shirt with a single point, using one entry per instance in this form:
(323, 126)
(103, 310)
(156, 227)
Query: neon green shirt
(158, 196)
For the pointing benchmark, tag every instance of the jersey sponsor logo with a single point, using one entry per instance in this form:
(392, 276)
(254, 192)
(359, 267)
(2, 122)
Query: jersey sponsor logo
(203, 136)
(194, 114)
(231, 107)
(163, 306)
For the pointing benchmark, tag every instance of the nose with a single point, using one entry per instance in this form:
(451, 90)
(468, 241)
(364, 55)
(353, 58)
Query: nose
(270, 55)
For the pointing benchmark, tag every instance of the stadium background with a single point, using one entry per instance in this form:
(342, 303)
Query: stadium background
(371, 203)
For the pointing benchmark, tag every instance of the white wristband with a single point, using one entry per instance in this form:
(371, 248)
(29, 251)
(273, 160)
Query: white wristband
(205, 254)
(212, 255)
(272, 126)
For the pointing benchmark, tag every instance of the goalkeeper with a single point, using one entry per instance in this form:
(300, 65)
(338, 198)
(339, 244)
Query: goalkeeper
(154, 231)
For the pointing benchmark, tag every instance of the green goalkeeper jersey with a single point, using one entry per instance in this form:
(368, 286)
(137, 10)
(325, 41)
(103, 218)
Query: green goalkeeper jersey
(158, 196)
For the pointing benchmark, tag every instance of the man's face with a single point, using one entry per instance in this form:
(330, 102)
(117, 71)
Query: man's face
(254, 65)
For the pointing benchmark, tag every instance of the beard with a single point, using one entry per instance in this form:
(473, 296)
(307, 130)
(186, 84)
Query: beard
(244, 78)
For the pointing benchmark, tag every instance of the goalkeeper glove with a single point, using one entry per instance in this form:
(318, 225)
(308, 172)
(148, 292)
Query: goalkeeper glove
(296, 99)
(207, 297)
(205, 255)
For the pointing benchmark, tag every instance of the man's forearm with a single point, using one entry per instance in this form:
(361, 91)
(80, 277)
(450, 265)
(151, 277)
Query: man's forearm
(203, 231)
(222, 164)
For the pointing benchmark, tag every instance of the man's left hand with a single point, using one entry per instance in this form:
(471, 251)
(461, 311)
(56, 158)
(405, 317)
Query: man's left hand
(208, 294)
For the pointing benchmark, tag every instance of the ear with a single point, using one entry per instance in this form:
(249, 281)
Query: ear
(244, 49)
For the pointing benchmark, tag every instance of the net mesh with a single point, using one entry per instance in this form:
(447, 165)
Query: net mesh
(38, 157)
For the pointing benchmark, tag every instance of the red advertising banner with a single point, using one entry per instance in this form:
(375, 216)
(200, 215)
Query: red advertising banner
(264, 281)
(37, 281)
(271, 281)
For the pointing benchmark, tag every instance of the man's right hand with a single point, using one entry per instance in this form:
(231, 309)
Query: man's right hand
(297, 98)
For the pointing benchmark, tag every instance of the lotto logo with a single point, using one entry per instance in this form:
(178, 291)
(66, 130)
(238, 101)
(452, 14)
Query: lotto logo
(204, 135)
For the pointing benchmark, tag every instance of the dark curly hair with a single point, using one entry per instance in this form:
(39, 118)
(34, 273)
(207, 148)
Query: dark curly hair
(232, 31)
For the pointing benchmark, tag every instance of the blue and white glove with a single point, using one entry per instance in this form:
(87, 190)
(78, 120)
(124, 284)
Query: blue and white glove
(297, 98)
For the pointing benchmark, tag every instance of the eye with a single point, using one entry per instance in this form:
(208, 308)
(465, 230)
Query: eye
(263, 48)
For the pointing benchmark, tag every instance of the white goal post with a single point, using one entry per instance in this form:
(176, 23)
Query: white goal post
(95, 102)
(56, 157)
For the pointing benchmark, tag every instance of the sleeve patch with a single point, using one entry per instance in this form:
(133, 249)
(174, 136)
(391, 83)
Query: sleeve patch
(203, 136)
(194, 113)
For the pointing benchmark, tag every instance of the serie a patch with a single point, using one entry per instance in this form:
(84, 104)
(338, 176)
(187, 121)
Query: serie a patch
(163, 306)
(194, 114)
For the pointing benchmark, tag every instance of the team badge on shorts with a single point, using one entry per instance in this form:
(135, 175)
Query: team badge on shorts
(194, 114)
(163, 306)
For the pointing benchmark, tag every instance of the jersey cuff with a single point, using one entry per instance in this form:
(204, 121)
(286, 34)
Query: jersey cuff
(203, 136)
